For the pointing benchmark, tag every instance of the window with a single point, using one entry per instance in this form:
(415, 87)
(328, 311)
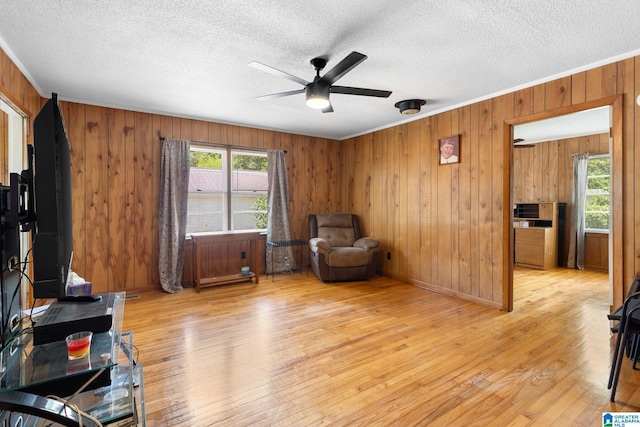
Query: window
(248, 190)
(597, 201)
(227, 190)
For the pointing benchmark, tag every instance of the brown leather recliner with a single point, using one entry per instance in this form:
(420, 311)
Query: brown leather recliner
(337, 250)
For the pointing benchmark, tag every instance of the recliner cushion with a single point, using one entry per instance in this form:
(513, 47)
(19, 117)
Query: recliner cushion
(347, 257)
(335, 220)
(337, 236)
(317, 244)
(366, 243)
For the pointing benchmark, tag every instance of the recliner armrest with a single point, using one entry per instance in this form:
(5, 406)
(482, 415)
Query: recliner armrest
(318, 244)
(366, 243)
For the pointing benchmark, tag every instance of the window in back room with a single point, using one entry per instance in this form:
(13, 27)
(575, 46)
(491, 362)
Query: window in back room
(597, 202)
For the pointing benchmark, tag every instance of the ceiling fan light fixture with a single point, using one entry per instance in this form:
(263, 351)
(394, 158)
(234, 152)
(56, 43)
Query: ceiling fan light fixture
(317, 96)
(318, 102)
(410, 106)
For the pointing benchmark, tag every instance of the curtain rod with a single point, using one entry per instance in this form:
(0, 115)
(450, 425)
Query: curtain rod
(239, 147)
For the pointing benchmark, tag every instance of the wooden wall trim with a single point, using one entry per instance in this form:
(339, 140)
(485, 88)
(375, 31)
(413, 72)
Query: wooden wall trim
(561, 111)
(507, 218)
(455, 294)
(15, 103)
(617, 203)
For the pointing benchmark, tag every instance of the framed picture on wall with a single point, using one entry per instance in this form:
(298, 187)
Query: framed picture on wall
(450, 150)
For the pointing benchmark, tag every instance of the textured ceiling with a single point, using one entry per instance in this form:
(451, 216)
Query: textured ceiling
(189, 58)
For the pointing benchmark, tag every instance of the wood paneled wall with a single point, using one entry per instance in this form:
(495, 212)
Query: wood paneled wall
(435, 222)
(596, 252)
(116, 169)
(543, 172)
(444, 225)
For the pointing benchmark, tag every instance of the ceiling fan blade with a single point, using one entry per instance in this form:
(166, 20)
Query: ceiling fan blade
(360, 91)
(328, 109)
(275, 71)
(518, 143)
(343, 67)
(280, 94)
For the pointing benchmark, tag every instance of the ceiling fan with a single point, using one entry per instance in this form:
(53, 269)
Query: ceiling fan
(317, 91)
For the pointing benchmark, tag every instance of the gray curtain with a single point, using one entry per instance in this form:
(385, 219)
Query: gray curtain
(281, 258)
(578, 195)
(174, 188)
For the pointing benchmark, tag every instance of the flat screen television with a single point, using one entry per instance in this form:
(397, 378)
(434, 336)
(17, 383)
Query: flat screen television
(53, 236)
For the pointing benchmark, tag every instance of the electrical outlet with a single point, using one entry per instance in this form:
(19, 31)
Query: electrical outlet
(389, 255)
(243, 255)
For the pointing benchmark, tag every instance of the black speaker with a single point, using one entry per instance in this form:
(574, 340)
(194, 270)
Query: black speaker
(562, 220)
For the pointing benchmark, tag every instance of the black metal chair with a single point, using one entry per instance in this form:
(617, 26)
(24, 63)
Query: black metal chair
(616, 314)
(628, 330)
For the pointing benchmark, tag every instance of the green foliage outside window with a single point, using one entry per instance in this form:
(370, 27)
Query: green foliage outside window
(597, 199)
(249, 162)
(260, 204)
(203, 159)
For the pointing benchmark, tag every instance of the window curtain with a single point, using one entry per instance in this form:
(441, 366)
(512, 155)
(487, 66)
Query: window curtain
(578, 196)
(174, 188)
(281, 258)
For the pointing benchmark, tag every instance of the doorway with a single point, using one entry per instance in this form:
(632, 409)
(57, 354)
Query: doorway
(13, 135)
(614, 107)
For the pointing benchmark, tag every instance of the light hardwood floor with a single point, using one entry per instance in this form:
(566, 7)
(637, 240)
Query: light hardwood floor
(299, 352)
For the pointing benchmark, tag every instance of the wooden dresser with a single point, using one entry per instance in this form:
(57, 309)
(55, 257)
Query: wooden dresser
(536, 235)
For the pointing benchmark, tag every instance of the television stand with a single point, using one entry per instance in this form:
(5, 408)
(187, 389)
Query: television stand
(80, 298)
(33, 372)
